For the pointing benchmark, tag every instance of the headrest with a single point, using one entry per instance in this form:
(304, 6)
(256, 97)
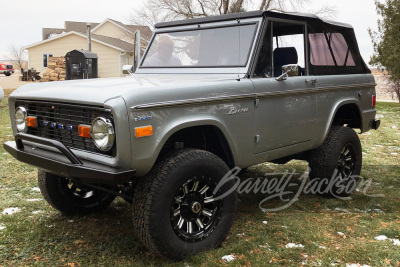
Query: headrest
(285, 56)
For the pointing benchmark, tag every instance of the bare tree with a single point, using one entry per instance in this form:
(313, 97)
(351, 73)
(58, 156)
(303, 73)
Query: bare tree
(396, 88)
(17, 55)
(154, 11)
(387, 86)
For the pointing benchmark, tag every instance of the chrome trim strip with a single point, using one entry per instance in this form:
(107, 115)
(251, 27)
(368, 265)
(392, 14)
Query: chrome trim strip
(252, 95)
(194, 101)
(286, 93)
(353, 86)
(316, 90)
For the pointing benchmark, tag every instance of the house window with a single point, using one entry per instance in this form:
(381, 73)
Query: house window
(46, 59)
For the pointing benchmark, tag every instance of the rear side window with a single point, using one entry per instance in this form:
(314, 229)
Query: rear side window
(333, 50)
(329, 49)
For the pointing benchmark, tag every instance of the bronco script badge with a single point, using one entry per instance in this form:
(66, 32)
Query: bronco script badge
(142, 118)
(233, 110)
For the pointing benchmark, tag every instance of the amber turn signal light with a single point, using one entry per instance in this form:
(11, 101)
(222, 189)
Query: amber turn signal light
(31, 121)
(84, 131)
(144, 131)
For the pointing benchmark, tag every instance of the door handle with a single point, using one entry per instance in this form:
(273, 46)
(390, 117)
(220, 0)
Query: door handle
(312, 81)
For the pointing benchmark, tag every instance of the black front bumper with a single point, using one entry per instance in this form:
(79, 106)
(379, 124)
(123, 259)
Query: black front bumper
(66, 164)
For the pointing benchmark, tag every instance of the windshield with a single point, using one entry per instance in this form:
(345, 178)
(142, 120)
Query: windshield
(214, 47)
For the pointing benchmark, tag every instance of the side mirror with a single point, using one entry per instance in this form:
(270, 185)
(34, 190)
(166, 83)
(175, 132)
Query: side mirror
(290, 70)
(127, 69)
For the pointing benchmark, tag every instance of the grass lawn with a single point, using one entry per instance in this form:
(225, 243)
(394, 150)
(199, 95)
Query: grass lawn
(39, 235)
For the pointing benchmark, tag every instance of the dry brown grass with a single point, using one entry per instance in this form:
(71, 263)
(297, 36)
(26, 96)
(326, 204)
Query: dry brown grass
(7, 92)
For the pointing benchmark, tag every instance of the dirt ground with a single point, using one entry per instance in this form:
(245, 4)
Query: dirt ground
(10, 83)
(383, 90)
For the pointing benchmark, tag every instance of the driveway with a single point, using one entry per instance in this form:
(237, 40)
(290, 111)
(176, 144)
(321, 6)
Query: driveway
(10, 83)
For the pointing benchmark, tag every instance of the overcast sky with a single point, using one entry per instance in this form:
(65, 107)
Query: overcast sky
(23, 20)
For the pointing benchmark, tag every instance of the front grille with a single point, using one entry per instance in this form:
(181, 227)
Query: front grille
(67, 115)
(9, 67)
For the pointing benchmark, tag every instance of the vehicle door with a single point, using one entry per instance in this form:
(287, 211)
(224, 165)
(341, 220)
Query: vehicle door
(285, 104)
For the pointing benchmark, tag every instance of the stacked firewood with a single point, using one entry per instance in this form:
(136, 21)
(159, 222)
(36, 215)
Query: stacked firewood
(55, 70)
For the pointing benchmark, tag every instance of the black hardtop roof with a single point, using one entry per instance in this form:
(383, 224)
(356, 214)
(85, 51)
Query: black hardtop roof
(252, 14)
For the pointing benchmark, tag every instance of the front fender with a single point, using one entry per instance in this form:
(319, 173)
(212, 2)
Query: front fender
(145, 150)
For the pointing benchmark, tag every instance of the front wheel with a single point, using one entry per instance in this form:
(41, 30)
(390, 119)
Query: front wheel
(7, 73)
(176, 211)
(72, 198)
(337, 163)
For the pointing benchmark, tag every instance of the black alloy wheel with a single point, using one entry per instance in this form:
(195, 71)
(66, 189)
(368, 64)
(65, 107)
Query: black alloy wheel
(347, 161)
(194, 212)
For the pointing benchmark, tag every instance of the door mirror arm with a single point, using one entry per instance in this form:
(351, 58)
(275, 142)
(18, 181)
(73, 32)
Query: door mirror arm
(290, 70)
(283, 77)
(127, 69)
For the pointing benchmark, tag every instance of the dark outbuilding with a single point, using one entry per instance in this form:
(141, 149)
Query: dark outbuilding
(81, 64)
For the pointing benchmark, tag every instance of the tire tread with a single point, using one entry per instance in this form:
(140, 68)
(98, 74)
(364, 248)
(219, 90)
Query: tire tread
(146, 193)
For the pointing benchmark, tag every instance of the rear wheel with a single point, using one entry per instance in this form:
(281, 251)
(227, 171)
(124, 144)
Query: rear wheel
(70, 197)
(337, 163)
(175, 210)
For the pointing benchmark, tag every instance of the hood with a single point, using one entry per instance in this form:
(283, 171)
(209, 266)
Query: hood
(99, 91)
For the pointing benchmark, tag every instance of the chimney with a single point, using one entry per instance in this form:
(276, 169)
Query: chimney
(89, 37)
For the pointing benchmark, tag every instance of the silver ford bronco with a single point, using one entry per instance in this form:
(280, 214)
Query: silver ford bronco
(210, 94)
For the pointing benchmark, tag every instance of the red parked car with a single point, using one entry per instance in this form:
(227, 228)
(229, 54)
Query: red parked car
(6, 69)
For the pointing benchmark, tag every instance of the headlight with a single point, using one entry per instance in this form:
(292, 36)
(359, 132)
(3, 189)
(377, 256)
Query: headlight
(103, 133)
(20, 119)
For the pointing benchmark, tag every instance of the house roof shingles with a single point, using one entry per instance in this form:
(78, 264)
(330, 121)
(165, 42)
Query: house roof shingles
(74, 26)
(47, 32)
(144, 30)
(114, 42)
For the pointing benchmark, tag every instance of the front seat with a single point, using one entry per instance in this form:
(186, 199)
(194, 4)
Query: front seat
(284, 56)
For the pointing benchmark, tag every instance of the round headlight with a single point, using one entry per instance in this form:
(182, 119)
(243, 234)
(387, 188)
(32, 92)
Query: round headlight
(20, 119)
(103, 133)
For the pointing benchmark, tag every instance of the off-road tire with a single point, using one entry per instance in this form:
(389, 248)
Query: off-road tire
(155, 193)
(325, 160)
(56, 192)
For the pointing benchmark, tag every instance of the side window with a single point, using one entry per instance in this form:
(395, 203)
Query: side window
(289, 49)
(329, 49)
(46, 60)
(283, 44)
